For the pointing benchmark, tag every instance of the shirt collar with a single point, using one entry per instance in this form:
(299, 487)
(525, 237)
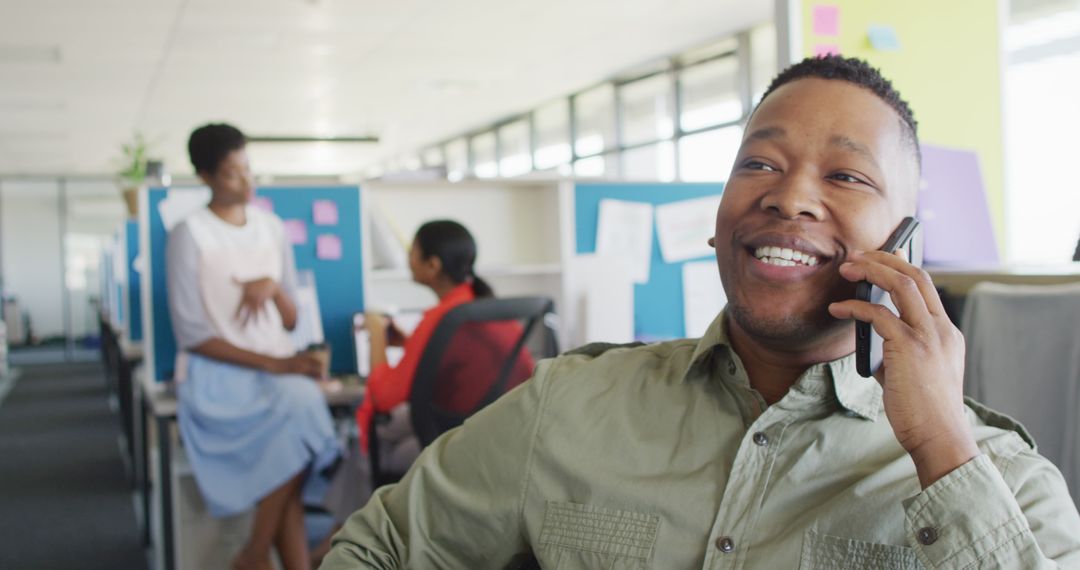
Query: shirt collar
(858, 396)
(460, 294)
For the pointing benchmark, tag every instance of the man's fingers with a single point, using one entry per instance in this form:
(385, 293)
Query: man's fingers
(885, 323)
(903, 290)
(899, 262)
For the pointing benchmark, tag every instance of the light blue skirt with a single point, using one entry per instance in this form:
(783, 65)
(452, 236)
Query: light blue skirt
(247, 432)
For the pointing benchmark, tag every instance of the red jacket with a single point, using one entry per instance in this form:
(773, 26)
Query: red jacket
(472, 353)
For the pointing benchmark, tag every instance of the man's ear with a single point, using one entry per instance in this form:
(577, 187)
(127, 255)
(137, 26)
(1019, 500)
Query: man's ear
(712, 242)
(204, 176)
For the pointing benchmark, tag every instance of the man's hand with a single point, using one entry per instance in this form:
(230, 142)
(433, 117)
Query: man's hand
(923, 372)
(303, 363)
(255, 296)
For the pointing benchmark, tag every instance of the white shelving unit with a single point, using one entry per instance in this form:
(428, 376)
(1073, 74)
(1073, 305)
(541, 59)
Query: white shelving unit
(523, 230)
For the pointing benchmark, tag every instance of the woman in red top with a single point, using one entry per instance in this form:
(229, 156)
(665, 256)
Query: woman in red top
(441, 257)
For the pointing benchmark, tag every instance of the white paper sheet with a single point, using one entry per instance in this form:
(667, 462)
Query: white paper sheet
(604, 297)
(179, 203)
(625, 231)
(309, 326)
(703, 296)
(684, 227)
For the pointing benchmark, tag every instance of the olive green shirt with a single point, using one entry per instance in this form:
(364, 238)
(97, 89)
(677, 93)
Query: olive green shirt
(663, 456)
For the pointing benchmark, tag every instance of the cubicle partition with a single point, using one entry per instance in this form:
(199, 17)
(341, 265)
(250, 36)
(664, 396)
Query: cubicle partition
(322, 223)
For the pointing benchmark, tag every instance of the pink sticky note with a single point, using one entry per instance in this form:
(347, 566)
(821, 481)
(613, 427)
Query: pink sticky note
(826, 20)
(822, 50)
(263, 203)
(324, 212)
(295, 231)
(328, 247)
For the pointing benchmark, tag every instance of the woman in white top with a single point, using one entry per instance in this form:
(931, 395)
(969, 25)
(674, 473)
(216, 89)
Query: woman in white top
(254, 424)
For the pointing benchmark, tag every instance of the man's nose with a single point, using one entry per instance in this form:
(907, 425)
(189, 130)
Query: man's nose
(795, 197)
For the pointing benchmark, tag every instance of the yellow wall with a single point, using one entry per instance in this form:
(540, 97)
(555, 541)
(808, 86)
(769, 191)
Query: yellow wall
(947, 68)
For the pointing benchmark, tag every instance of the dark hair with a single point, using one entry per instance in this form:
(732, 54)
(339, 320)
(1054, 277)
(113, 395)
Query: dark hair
(456, 249)
(857, 72)
(209, 144)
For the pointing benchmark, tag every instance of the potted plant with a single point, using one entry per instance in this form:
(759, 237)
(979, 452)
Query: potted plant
(133, 171)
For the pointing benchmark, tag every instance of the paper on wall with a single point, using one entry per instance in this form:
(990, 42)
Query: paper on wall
(604, 297)
(625, 231)
(703, 296)
(684, 228)
(178, 204)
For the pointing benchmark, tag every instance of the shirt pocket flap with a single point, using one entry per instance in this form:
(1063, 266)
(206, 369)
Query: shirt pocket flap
(835, 553)
(590, 528)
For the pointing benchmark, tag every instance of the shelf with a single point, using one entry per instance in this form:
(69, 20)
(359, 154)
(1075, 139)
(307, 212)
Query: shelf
(524, 270)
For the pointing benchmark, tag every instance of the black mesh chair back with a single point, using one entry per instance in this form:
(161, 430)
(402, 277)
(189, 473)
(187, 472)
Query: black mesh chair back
(478, 351)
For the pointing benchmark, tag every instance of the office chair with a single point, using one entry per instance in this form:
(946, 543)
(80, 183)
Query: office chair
(1023, 360)
(467, 338)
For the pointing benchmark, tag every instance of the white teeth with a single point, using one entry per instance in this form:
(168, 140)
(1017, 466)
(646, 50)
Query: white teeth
(784, 257)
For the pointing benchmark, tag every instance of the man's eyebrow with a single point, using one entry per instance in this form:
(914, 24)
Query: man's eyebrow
(765, 134)
(854, 146)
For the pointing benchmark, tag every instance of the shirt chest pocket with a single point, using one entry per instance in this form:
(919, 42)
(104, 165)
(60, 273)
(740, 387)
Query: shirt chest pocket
(587, 536)
(821, 551)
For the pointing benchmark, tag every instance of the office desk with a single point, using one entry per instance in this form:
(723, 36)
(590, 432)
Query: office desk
(954, 283)
(157, 412)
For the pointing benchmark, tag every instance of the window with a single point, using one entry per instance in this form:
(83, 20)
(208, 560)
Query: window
(594, 113)
(485, 162)
(552, 123)
(515, 156)
(710, 94)
(708, 156)
(646, 108)
(457, 159)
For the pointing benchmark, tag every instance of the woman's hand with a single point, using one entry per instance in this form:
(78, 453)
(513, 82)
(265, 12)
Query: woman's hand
(255, 296)
(376, 324)
(923, 371)
(303, 363)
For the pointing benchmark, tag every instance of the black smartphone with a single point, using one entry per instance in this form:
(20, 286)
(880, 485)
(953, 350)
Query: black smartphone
(868, 344)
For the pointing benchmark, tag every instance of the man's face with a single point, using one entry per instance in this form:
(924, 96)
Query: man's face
(824, 169)
(232, 182)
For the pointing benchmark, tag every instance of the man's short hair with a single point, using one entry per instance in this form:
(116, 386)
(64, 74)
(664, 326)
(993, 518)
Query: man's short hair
(210, 144)
(857, 72)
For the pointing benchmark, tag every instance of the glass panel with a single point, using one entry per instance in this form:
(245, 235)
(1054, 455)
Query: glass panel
(646, 108)
(762, 59)
(653, 162)
(603, 166)
(95, 213)
(710, 94)
(457, 159)
(552, 134)
(594, 111)
(485, 163)
(32, 267)
(514, 158)
(708, 156)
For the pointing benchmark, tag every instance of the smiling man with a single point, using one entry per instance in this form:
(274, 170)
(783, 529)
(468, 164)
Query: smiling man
(757, 446)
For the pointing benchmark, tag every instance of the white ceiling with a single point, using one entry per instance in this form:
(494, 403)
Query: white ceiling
(78, 77)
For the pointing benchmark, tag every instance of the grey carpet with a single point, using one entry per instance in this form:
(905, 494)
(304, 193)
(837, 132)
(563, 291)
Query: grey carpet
(65, 501)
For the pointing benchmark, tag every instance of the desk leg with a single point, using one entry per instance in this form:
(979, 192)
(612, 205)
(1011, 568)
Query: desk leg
(142, 462)
(165, 465)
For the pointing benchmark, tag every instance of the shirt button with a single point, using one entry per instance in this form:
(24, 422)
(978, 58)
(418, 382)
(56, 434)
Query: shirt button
(725, 544)
(731, 367)
(927, 535)
(761, 439)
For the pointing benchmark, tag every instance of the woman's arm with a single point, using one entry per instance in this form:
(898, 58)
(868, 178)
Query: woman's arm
(221, 349)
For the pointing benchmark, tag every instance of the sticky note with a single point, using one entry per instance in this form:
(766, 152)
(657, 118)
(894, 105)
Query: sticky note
(328, 247)
(295, 231)
(826, 20)
(822, 50)
(883, 38)
(263, 203)
(324, 213)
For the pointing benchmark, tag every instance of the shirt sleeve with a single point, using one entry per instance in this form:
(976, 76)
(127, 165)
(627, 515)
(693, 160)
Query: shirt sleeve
(191, 325)
(978, 516)
(461, 503)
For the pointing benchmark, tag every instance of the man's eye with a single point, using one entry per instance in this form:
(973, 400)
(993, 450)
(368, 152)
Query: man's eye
(758, 165)
(846, 178)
